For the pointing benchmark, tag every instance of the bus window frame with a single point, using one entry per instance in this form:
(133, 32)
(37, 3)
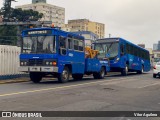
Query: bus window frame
(61, 49)
(122, 49)
(72, 47)
(79, 40)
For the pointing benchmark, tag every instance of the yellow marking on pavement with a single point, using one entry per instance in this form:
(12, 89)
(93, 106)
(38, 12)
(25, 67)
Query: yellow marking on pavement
(157, 83)
(47, 89)
(12, 81)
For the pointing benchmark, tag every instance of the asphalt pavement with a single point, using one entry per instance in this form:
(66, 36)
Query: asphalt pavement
(114, 93)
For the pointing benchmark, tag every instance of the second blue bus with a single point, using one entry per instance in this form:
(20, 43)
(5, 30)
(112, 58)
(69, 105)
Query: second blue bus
(124, 56)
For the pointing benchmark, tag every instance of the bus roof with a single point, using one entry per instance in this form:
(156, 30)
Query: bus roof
(69, 34)
(121, 39)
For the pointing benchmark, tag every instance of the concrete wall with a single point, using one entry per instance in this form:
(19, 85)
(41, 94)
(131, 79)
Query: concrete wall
(9, 60)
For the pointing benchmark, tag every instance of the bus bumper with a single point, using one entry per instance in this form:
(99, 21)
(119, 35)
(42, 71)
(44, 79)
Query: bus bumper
(37, 69)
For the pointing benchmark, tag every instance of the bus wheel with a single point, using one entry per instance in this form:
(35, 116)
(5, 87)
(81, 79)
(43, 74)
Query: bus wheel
(64, 76)
(124, 71)
(77, 76)
(141, 71)
(35, 77)
(99, 75)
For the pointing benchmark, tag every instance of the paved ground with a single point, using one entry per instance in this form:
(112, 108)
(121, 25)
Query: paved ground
(114, 93)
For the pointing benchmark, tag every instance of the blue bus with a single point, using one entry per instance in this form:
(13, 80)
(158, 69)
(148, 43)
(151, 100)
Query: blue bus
(53, 52)
(124, 56)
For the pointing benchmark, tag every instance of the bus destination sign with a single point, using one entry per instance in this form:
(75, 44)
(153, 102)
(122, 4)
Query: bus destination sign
(38, 32)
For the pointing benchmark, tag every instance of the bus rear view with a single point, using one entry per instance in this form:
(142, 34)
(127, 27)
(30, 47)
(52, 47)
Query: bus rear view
(124, 56)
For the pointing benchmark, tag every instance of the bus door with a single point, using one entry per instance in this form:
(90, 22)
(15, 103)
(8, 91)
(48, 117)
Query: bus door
(123, 56)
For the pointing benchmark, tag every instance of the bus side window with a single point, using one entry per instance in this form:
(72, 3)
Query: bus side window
(76, 43)
(62, 45)
(70, 44)
(81, 44)
(122, 49)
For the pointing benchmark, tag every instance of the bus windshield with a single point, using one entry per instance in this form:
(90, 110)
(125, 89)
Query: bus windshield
(39, 44)
(110, 48)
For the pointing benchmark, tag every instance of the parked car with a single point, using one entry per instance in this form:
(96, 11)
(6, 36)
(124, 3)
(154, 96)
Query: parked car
(156, 70)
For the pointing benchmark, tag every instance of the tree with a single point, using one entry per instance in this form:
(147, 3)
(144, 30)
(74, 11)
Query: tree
(25, 15)
(8, 35)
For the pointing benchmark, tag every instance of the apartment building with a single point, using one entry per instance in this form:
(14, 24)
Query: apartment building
(86, 25)
(50, 12)
(90, 37)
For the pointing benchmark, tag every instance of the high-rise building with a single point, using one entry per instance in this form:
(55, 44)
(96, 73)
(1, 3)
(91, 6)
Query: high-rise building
(50, 12)
(86, 25)
(158, 45)
(155, 46)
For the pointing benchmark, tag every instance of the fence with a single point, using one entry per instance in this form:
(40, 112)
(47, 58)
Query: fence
(9, 61)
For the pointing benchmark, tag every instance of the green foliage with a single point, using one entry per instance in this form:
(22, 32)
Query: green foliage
(8, 35)
(26, 15)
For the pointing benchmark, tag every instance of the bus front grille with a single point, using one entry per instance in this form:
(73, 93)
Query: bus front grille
(35, 62)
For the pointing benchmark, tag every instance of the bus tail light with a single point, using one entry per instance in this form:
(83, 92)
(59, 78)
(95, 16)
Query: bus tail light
(154, 67)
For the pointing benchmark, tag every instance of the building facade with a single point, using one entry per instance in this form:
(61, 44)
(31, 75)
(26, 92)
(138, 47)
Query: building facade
(155, 46)
(50, 12)
(151, 55)
(90, 37)
(156, 53)
(86, 25)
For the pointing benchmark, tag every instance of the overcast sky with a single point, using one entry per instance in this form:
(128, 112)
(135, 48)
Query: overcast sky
(135, 20)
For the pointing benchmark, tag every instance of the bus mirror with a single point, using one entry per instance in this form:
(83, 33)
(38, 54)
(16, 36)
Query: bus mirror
(62, 51)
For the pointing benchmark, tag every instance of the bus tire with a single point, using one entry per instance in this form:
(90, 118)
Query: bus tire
(141, 71)
(124, 71)
(77, 76)
(99, 75)
(35, 77)
(64, 76)
(95, 75)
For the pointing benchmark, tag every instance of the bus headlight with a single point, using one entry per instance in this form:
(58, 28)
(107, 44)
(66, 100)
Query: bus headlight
(23, 63)
(47, 63)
